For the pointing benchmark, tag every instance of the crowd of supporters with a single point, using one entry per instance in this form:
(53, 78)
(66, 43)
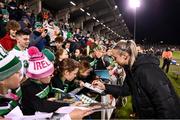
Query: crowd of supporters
(43, 60)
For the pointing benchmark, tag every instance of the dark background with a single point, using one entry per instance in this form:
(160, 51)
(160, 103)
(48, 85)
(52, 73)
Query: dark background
(157, 20)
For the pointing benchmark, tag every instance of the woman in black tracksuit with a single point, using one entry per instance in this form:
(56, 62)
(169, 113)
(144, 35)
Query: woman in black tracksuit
(152, 93)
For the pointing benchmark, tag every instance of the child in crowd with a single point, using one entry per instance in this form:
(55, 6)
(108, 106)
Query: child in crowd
(9, 79)
(58, 42)
(98, 63)
(61, 54)
(85, 73)
(37, 88)
(77, 54)
(67, 71)
(9, 40)
(67, 46)
(20, 50)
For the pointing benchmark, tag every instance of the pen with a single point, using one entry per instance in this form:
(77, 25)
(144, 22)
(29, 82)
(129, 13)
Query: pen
(77, 97)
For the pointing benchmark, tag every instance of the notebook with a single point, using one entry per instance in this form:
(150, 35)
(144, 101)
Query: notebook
(89, 86)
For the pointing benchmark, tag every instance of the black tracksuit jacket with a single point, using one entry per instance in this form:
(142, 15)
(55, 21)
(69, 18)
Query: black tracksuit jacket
(153, 95)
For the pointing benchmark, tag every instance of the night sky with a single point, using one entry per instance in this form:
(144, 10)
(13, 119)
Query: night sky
(157, 20)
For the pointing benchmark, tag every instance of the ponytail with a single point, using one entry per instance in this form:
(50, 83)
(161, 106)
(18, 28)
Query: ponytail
(128, 46)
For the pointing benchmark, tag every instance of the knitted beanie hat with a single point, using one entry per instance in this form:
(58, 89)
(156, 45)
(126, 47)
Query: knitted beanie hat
(5, 12)
(50, 55)
(39, 65)
(9, 64)
(38, 24)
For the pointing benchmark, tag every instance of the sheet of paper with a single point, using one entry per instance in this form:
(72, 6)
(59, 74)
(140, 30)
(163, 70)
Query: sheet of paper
(89, 86)
(16, 114)
(69, 109)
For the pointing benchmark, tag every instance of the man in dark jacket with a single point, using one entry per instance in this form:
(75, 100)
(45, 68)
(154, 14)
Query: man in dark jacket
(152, 93)
(38, 37)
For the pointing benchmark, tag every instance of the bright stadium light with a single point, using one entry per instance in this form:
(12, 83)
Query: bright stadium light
(82, 9)
(94, 18)
(134, 3)
(115, 7)
(73, 3)
(88, 14)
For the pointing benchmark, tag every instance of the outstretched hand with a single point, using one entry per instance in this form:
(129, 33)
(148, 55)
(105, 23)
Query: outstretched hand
(98, 84)
(78, 114)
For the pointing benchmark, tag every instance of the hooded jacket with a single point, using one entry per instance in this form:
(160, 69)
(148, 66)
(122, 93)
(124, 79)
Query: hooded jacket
(152, 93)
(37, 40)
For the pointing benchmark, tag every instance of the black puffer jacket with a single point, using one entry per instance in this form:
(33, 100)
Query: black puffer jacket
(152, 93)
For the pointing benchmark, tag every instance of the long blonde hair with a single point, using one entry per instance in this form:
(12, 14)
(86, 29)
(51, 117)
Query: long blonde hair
(128, 46)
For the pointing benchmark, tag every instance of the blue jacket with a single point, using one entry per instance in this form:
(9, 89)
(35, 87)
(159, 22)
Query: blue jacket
(37, 40)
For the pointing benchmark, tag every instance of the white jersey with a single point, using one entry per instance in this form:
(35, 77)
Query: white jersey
(23, 57)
